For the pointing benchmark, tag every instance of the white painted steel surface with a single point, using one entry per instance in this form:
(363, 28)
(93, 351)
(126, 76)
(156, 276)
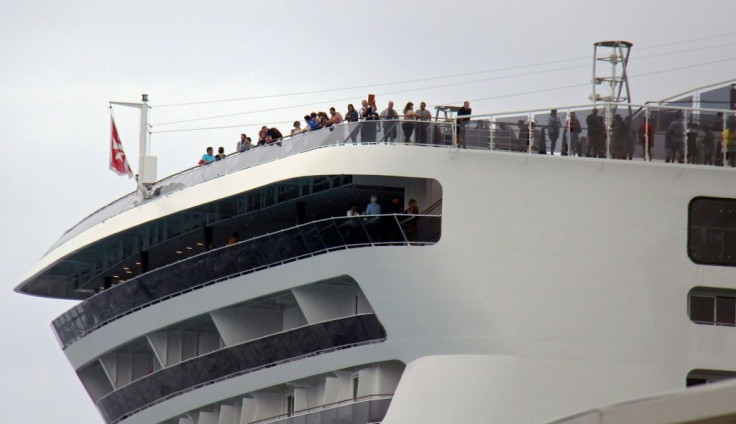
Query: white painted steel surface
(558, 285)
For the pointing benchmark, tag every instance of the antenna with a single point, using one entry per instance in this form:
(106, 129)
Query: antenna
(614, 57)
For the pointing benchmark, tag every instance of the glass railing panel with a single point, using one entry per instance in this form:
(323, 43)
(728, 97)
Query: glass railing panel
(369, 409)
(244, 257)
(237, 360)
(503, 130)
(509, 133)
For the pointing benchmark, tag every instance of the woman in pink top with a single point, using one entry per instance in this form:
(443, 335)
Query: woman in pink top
(335, 116)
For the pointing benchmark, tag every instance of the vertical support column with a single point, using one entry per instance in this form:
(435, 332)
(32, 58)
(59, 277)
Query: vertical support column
(301, 212)
(144, 261)
(208, 237)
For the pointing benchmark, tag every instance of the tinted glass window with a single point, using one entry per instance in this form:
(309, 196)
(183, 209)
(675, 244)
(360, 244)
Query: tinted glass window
(712, 231)
(701, 309)
(726, 310)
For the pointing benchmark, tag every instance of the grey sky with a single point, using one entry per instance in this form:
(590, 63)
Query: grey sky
(63, 61)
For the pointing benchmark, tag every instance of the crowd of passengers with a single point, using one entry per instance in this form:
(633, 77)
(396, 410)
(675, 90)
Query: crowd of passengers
(691, 142)
(368, 112)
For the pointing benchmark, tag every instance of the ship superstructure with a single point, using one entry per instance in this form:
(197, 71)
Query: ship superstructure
(528, 288)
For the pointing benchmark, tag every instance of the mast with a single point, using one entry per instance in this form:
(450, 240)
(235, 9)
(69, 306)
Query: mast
(147, 164)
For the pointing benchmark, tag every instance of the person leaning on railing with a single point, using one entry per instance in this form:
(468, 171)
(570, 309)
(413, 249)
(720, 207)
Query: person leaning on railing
(408, 127)
(412, 208)
(461, 122)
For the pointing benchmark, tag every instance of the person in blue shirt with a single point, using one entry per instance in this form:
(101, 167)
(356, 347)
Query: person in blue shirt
(313, 125)
(207, 157)
(372, 224)
(373, 207)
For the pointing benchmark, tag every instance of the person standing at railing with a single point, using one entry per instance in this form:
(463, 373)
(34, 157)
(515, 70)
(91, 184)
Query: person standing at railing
(262, 136)
(630, 137)
(368, 128)
(353, 226)
(297, 128)
(596, 127)
(553, 130)
(423, 128)
(389, 117)
(524, 134)
(208, 157)
(335, 116)
(324, 121)
(352, 116)
(574, 129)
(676, 132)
(244, 144)
(461, 122)
(693, 146)
(408, 127)
(729, 140)
(312, 125)
(646, 138)
(412, 208)
(273, 135)
(619, 132)
(709, 145)
(372, 224)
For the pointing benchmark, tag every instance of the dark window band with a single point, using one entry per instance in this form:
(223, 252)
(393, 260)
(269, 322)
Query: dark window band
(236, 360)
(218, 265)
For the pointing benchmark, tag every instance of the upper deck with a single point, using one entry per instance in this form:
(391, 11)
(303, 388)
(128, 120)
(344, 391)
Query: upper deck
(70, 261)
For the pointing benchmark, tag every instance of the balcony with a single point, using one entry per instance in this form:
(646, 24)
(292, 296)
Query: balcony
(240, 359)
(274, 249)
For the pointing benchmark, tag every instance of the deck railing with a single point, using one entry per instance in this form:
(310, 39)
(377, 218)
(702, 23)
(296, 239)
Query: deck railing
(199, 271)
(525, 131)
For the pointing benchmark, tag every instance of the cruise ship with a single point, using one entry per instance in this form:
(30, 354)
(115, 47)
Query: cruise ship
(529, 288)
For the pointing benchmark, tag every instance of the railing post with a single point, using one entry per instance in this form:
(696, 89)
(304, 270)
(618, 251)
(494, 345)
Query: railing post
(684, 137)
(647, 156)
(530, 136)
(454, 133)
(491, 135)
(339, 233)
(568, 133)
(403, 234)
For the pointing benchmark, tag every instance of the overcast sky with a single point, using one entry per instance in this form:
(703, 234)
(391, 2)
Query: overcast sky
(63, 61)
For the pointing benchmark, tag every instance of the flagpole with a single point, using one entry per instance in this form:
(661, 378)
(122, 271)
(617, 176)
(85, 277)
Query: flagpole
(143, 140)
(146, 163)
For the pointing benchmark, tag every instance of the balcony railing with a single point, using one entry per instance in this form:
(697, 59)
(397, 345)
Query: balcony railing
(295, 243)
(240, 359)
(366, 409)
(368, 132)
(509, 131)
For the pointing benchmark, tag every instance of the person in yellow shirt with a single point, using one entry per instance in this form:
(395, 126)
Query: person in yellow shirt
(729, 140)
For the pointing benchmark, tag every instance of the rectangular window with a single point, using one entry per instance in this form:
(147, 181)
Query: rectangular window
(356, 379)
(290, 405)
(726, 310)
(702, 309)
(712, 231)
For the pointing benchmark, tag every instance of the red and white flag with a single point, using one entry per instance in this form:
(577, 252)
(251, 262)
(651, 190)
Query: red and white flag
(118, 161)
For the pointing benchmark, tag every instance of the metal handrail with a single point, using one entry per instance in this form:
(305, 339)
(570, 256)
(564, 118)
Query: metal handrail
(323, 138)
(119, 301)
(373, 332)
(326, 406)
